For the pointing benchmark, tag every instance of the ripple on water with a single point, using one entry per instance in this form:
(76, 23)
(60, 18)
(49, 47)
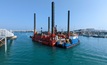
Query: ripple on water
(91, 51)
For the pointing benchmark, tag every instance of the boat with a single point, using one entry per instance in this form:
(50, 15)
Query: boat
(6, 35)
(68, 43)
(53, 38)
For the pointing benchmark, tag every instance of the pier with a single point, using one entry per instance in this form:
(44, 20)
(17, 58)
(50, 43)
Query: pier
(91, 32)
(4, 36)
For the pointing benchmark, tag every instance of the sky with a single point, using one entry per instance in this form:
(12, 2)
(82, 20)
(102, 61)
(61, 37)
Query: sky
(19, 14)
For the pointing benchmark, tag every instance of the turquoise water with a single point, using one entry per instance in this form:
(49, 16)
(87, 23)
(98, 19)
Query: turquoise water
(91, 51)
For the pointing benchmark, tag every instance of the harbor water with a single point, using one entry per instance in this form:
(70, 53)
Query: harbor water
(23, 51)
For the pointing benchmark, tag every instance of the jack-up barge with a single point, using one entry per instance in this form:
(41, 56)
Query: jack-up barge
(53, 38)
